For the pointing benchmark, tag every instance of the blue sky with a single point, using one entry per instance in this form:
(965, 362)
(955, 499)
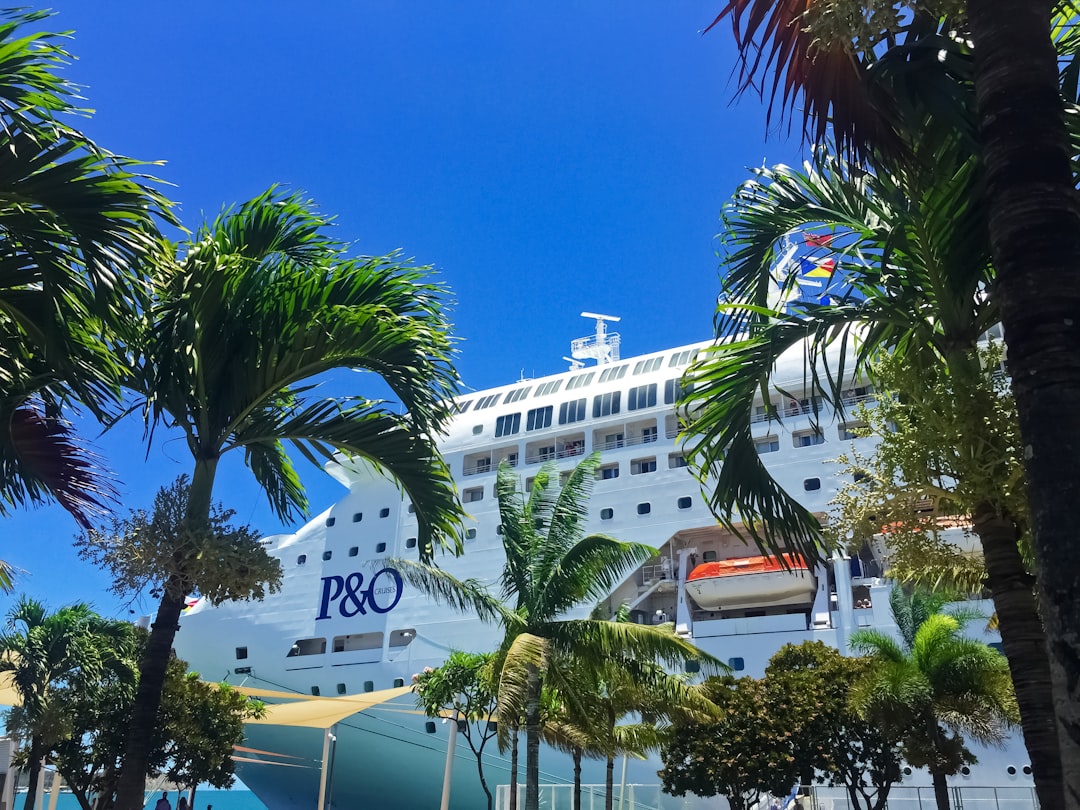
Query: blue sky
(545, 158)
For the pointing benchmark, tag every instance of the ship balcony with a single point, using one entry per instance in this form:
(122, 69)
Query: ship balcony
(629, 435)
(489, 460)
(568, 446)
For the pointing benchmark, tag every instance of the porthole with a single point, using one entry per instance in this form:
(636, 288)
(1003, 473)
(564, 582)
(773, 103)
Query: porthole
(685, 502)
(341, 689)
(693, 666)
(301, 559)
(429, 727)
(369, 686)
(380, 548)
(499, 530)
(399, 682)
(644, 508)
(384, 512)
(357, 517)
(477, 430)
(470, 534)
(1011, 770)
(907, 771)
(315, 691)
(410, 543)
(412, 509)
(326, 555)
(241, 653)
(1027, 770)
(811, 484)
(607, 514)
(737, 664)
(966, 771)
(354, 551)
(330, 521)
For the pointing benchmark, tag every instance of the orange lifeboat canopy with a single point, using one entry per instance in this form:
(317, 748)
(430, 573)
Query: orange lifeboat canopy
(737, 566)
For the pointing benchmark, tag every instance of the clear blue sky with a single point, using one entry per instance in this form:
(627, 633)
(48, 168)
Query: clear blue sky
(547, 158)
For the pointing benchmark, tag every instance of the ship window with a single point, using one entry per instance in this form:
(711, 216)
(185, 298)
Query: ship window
(357, 517)
(379, 549)
(241, 653)
(641, 396)
(607, 472)
(410, 543)
(331, 521)
(412, 509)
(548, 388)
(301, 559)
(607, 514)
(859, 477)
(685, 502)
(384, 512)
(470, 534)
(403, 637)
(429, 727)
(606, 404)
(767, 444)
(477, 430)
(693, 666)
(508, 424)
(847, 431)
(572, 411)
(580, 380)
(341, 689)
(682, 358)
(762, 413)
(639, 466)
(644, 508)
(648, 434)
(616, 373)
(315, 691)
(519, 393)
(358, 641)
(811, 484)
(487, 402)
(539, 418)
(807, 438)
(708, 556)
(399, 682)
(737, 664)
(645, 366)
(673, 392)
(499, 530)
(529, 483)
(369, 686)
(1027, 770)
(473, 494)
(461, 407)
(326, 555)
(307, 646)
(676, 460)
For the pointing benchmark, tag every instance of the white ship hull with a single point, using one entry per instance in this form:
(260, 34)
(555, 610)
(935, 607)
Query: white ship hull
(339, 626)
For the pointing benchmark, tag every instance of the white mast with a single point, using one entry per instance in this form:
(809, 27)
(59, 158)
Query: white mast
(603, 347)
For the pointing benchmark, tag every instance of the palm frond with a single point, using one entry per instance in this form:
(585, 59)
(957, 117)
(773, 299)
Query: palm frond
(461, 595)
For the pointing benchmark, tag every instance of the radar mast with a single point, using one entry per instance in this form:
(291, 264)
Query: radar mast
(603, 347)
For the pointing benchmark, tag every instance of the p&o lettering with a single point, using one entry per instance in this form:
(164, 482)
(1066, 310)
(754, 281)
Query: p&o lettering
(350, 597)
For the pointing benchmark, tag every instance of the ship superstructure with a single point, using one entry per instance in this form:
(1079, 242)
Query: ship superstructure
(344, 624)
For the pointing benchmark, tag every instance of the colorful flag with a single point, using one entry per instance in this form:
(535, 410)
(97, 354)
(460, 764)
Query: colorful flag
(816, 268)
(818, 239)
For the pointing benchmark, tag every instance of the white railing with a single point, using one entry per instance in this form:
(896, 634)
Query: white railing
(615, 444)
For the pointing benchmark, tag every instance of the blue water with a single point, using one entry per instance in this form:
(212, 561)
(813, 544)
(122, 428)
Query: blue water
(220, 799)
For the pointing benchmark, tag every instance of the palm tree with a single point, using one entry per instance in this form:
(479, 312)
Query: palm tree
(75, 222)
(552, 569)
(45, 652)
(909, 240)
(934, 688)
(1033, 221)
(244, 321)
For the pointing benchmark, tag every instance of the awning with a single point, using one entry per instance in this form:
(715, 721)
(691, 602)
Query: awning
(320, 712)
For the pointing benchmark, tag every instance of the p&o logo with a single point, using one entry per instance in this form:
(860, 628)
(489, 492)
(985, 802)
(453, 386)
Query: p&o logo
(351, 597)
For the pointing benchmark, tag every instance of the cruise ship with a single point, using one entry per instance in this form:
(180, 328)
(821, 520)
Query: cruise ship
(343, 626)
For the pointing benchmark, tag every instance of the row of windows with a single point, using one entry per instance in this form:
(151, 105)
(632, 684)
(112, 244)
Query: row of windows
(580, 380)
(645, 507)
(359, 516)
(354, 551)
(808, 438)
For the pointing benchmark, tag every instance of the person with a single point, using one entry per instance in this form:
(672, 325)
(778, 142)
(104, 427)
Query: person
(163, 802)
(665, 567)
(181, 803)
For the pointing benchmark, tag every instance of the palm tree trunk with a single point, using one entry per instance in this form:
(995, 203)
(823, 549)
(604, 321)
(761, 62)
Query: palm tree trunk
(1024, 642)
(155, 660)
(532, 741)
(33, 772)
(577, 779)
(941, 790)
(609, 783)
(514, 771)
(1035, 237)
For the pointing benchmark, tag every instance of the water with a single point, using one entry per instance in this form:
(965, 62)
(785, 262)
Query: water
(220, 799)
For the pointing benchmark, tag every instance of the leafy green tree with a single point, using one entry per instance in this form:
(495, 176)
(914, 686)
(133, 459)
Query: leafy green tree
(465, 689)
(822, 54)
(831, 742)
(48, 654)
(76, 222)
(933, 689)
(552, 569)
(742, 755)
(910, 243)
(244, 321)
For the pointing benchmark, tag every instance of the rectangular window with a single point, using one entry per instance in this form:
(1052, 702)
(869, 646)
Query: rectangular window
(673, 391)
(767, 444)
(461, 407)
(612, 441)
(487, 402)
(508, 425)
(641, 396)
(573, 411)
(762, 413)
(640, 466)
(606, 404)
(648, 434)
(616, 373)
(847, 431)
(682, 358)
(808, 438)
(539, 418)
(548, 388)
(580, 380)
(607, 472)
(676, 460)
(472, 495)
(645, 366)
(517, 393)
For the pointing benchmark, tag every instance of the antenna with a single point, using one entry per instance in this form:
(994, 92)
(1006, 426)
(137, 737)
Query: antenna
(601, 347)
(574, 364)
(612, 318)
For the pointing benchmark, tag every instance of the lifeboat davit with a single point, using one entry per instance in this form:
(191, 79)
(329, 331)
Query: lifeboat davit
(751, 582)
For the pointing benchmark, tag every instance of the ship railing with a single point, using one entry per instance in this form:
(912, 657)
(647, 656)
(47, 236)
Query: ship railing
(802, 409)
(628, 797)
(904, 797)
(615, 444)
(482, 467)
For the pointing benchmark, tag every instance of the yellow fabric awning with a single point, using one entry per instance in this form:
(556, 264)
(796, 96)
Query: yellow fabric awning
(324, 712)
(8, 694)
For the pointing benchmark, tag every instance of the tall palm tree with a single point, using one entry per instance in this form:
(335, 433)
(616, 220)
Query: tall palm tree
(44, 652)
(935, 688)
(909, 239)
(552, 569)
(75, 222)
(244, 321)
(1033, 220)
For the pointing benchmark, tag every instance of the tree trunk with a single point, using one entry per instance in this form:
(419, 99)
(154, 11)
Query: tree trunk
(33, 772)
(576, 799)
(941, 790)
(155, 660)
(532, 740)
(1024, 642)
(514, 771)
(1034, 214)
(609, 783)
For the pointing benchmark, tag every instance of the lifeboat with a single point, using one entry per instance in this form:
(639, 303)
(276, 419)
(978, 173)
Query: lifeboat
(751, 582)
